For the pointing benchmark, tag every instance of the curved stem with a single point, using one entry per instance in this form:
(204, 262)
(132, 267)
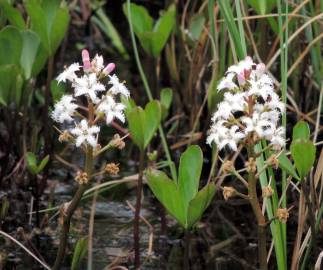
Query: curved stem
(136, 236)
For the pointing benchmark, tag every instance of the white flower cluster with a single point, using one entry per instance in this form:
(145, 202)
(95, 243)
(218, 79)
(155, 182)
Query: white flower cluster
(250, 108)
(90, 85)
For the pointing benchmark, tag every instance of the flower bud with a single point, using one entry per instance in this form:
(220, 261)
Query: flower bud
(282, 215)
(112, 168)
(267, 191)
(81, 177)
(227, 166)
(228, 192)
(251, 165)
(86, 61)
(108, 69)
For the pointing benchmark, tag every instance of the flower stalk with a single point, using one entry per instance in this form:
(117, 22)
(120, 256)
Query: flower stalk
(136, 234)
(261, 220)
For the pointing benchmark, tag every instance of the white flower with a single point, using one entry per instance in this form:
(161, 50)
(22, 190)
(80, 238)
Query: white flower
(227, 82)
(257, 123)
(68, 73)
(112, 109)
(85, 134)
(64, 109)
(97, 63)
(118, 87)
(277, 139)
(88, 85)
(249, 107)
(243, 65)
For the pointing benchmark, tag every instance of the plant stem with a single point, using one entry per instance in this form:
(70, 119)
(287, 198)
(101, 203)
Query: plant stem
(253, 198)
(67, 215)
(136, 236)
(186, 262)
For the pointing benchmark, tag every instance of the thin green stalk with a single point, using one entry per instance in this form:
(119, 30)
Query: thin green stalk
(283, 70)
(240, 25)
(148, 92)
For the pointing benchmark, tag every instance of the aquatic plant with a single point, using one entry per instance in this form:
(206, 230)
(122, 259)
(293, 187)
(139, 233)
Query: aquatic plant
(92, 103)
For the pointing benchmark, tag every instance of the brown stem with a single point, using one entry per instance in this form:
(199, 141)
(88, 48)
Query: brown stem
(253, 198)
(136, 236)
(70, 211)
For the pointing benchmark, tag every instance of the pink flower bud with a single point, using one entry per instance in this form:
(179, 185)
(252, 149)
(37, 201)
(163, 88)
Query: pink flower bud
(241, 78)
(260, 68)
(86, 60)
(109, 68)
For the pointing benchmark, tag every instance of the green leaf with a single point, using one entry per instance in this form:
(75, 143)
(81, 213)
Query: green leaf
(301, 131)
(42, 164)
(49, 20)
(182, 200)
(303, 153)
(140, 18)
(31, 44)
(105, 24)
(13, 15)
(166, 97)
(57, 90)
(163, 28)
(286, 165)
(196, 26)
(226, 11)
(152, 38)
(167, 193)
(31, 162)
(10, 46)
(262, 7)
(144, 123)
(79, 252)
(199, 204)
(190, 167)
(11, 84)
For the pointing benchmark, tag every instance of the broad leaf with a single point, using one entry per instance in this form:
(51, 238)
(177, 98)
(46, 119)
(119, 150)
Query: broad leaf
(13, 15)
(10, 46)
(141, 20)
(31, 44)
(49, 20)
(286, 165)
(167, 193)
(263, 6)
(182, 200)
(301, 131)
(144, 123)
(11, 84)
(303, 153)
(199, 204)
(190, 167)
